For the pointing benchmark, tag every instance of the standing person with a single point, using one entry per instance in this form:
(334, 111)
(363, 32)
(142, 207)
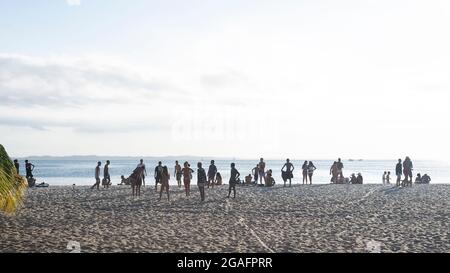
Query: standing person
(143, 172)
(178, 173)
(106, 176)
(288, 174)
(398, 172)
(255, 173)
(305, 172)
(261, 168)
(384, 178)
(340, 166)
(165, 177)
(187, 176)
(212, 170)
(388, 178)
(407, 170)
(136, 181)
(233, 180)
(97, 176)
(158, 174)
(334, 172)
(359, 179)
(29, 169)
(201, 180)
(17, 165)
(311, 169)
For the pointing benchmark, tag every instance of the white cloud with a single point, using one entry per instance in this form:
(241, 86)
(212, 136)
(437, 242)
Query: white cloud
(73, 2)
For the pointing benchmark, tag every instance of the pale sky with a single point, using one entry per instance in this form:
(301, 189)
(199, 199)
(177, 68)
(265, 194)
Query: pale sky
(245, 79)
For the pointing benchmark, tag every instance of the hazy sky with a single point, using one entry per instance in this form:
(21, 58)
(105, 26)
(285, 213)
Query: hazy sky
(299, 79)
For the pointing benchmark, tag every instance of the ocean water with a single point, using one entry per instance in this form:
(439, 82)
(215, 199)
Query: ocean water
(81, 171)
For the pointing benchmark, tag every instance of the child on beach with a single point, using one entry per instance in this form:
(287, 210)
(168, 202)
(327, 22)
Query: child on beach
(383, 178)
(165, 177)
(233, 180)
(269, 179)
(201, 180)
(187, 176)
(218, 181)
(388, 178)
(398, 172)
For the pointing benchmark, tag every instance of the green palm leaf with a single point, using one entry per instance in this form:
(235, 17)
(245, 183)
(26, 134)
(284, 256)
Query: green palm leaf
(12, 185)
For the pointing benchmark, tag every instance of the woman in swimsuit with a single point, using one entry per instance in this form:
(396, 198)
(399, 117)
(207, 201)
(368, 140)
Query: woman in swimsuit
(165, 177)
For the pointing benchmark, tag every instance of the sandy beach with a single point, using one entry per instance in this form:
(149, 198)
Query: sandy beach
(317, 218)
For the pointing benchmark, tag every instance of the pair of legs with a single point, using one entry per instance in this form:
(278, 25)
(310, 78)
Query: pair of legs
(211, 181)
(310, 175)
(399, 178)
(157, 180)
(164, 186)
(179, 180)
(262, 177)
(97, 184)
(290, 180)
(187, 186)
(305, 177)
(136, 190)
(232, 187)
(201, 189)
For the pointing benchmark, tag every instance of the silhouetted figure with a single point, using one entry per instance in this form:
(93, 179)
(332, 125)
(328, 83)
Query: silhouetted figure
(305, 172)
(17, 165)
(311, 169)
(106, 176)
(398, 172)
(359, 179)
(234, 176)
(97, 176)
(384, 178)
(353, 179)
(177, 173)
(288, 173)
(187, 176)
(261, 168)
(270, 181)
(426, 179)
(165, 177)
(144, 170)
(136, 181)
(29, 170)
(158, 175)
(407, 171)
(212, 170)
(334, 172)
(201, 180)
(388, 178)
(218, 181)
(340, 166)
(418, 179)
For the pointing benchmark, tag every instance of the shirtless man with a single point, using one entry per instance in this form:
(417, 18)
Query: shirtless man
(212, 170)
(288, 173)
(143, 172)
(177, 173)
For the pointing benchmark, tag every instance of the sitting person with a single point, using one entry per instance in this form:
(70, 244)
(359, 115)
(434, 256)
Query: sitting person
(248, 179)
(426, 179)
(342, 180)
(269, 180)
(359, 179)
(353, 179)
(418, 179)
(218, 181)
(125, 181)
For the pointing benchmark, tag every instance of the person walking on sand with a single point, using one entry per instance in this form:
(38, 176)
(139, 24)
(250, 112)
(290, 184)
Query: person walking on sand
(144, 171)
(383, 178)
(177, 173)
(165, 177)
(158, 174)
(187, 176)
(97, 176)
(136, 181)
(398, 172)
(407, 170)
(388, 178)
(201, 180)
(234, 176)
(255, 173)
(288, 174)
(28, 169)
(106, 176)
(17, 166)
(261, 168)
(212, 170)
(311, 169)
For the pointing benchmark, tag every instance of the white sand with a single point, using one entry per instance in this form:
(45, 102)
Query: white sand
(318, 218)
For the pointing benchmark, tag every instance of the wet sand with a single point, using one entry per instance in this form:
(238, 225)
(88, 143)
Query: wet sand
(317, 218)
